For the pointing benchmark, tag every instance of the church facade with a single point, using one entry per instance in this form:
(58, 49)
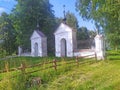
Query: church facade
(38, 44)
(65, 41)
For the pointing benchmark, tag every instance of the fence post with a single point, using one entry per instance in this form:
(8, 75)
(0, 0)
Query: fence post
(77, 62)
(7, 67)
(55, 64)
(23, 68)
(95, 56)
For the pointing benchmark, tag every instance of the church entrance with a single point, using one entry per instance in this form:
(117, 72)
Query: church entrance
(36, 49)
(63, 48)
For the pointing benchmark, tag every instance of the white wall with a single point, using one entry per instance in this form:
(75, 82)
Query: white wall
(38, 41)
(74, 40)
(42, 44)
(89, 53)
(67, 36)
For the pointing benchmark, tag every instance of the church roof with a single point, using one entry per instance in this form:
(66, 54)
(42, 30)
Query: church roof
(40, 33)
(65, 27)
(98, 36)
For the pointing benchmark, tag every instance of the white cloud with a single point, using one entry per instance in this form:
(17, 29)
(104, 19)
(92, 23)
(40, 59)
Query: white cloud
(2, 10)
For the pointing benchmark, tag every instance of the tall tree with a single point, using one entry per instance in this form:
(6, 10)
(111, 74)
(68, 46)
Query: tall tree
(106, 15)
(27, 14)
(7, 34)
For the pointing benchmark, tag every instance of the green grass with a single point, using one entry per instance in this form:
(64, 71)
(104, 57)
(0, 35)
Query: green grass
(101, 75)
(16, 62)
(113, 55)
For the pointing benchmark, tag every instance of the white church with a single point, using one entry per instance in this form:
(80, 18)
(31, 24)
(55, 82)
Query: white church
(38, 44)
(65, 41)
(65, 44)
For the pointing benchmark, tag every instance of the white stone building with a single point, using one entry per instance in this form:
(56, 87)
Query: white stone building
(65, 41)
(38, 44)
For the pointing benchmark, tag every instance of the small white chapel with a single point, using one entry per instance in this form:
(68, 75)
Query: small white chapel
(65, 41)
(38, 44)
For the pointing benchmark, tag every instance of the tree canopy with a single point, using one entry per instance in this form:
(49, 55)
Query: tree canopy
(27, 14)
(7, 34)
(17, 27)
(105, 14)
(71, 20)
(82, 33)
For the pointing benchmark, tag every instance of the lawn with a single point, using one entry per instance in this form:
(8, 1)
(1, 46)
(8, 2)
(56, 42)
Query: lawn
(100, 75)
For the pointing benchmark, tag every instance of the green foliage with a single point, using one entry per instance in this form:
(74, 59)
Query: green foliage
(82, 33)
(101, 75)
(113, 39)
(2, 52)
(26, 15)
(21, 81)
(71, 20)
(7, 34)
(16, 62)
(113, 55)
(105, 14)
(92, 33)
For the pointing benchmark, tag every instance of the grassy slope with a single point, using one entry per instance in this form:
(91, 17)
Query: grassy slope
(97, 76)
(103, 75)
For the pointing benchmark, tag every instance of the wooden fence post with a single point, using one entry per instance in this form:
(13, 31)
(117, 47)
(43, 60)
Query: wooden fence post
(77, 62)
(23, 68)
(55, 64)
(7, 67)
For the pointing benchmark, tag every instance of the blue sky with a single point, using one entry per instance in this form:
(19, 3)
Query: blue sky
(7, 5)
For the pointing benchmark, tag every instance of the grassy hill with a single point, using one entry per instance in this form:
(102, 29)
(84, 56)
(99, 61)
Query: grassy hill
(100, 75)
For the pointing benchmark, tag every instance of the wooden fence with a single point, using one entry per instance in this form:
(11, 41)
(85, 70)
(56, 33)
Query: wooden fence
(55, 64)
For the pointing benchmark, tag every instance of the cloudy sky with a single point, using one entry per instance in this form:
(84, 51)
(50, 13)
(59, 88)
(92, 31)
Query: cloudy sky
(7, 5)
